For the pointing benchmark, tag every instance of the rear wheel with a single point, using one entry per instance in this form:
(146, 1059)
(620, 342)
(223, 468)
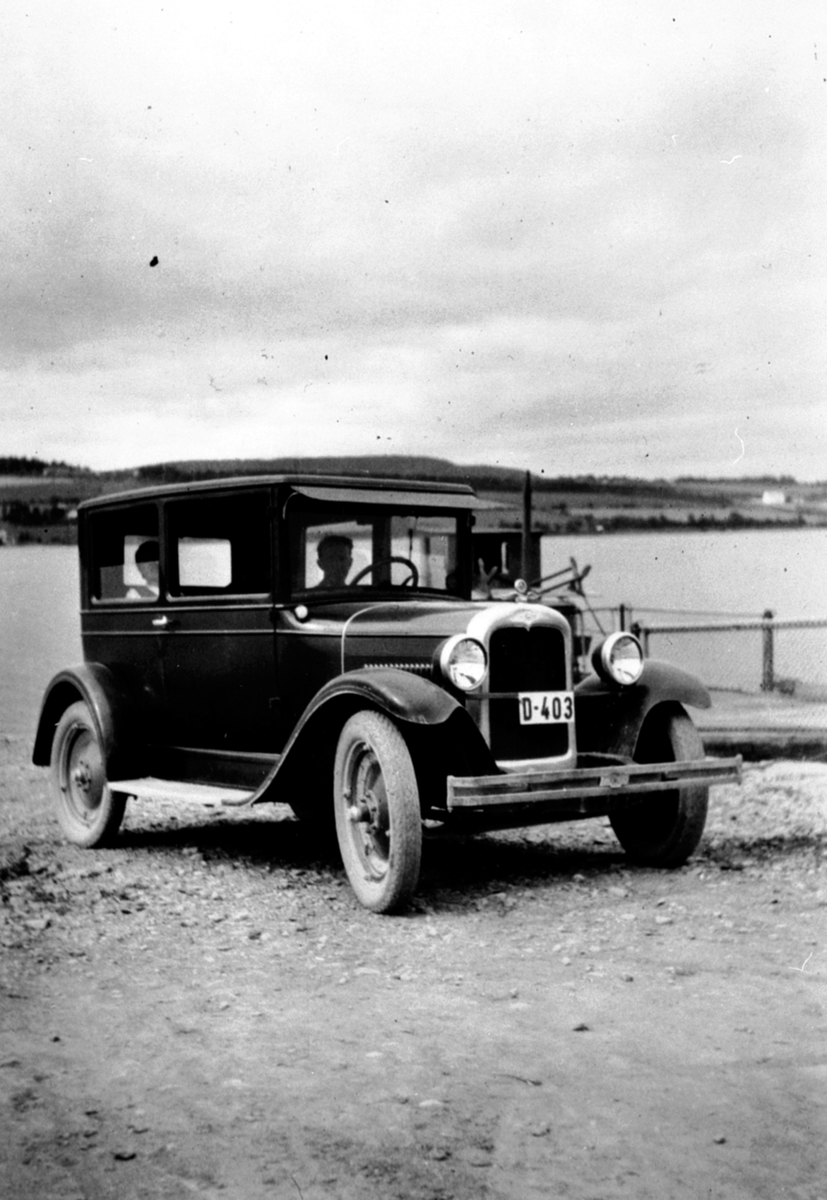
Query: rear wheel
(89, 812)
(378, 819)
(664, 829)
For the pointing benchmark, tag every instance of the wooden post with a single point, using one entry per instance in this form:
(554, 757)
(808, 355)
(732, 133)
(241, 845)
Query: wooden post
(768, 666)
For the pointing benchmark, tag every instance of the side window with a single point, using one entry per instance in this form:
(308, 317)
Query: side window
(205, 562)
(219, 546)
(124, 563)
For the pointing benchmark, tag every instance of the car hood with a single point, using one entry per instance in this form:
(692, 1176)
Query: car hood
(406, 634)
(401, 634)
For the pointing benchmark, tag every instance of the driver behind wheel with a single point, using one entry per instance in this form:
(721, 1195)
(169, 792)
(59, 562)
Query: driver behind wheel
(335, 558)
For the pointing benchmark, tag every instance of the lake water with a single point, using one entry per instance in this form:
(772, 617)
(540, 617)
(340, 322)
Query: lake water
(39, 627)
(686, 578)
(742, 573)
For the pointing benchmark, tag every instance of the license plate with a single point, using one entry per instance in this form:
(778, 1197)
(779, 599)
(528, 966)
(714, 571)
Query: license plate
(546, 708)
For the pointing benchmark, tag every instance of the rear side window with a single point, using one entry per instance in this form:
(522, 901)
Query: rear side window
(219, 546)
(124, 550)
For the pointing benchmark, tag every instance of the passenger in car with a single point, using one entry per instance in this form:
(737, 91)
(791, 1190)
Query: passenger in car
(335, 558)
(146, 560)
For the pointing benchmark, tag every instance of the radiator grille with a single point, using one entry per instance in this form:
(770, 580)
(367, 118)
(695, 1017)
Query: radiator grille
(525, 660)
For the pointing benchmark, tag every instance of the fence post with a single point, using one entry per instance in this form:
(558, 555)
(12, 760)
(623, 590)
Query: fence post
(642, 634)
(767, 668)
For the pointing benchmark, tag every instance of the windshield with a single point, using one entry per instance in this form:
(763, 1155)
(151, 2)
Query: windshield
(344, 551)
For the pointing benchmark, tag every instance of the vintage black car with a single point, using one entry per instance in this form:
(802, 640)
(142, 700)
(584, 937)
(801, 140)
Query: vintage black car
(316, 641)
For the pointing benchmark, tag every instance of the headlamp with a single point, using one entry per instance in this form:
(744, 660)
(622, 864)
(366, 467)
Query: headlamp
(463, 662)
(619, 658)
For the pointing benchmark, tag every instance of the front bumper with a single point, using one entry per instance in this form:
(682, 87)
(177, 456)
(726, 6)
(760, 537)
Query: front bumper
(587, 789)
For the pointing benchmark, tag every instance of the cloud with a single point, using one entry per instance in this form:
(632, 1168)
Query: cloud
(518, 230)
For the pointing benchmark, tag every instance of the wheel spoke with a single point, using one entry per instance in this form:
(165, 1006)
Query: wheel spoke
(83, 776)
(367, 811)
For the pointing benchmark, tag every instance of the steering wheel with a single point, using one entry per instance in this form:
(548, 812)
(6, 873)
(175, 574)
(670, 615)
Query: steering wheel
(413, 578)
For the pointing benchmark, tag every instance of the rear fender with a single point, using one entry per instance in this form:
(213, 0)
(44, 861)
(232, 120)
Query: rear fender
(112, 713)
(609, 718)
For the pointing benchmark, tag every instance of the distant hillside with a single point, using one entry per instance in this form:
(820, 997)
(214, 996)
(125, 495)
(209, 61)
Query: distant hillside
(482, 477)
(392, 466)
(479, 476)
(37, 468)
(38, 499)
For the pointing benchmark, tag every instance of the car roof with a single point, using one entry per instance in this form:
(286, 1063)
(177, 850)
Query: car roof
(336, 488)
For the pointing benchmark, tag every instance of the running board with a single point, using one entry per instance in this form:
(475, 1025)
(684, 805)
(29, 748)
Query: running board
(150, 788)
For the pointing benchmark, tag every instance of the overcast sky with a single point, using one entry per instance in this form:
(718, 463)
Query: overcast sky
(570, 236)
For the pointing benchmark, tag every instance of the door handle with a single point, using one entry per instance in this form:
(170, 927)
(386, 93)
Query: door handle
(164, 622)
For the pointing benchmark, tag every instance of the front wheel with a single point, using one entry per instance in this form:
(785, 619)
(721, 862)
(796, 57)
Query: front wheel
(664, 829)
(378, 819)
(89, 812)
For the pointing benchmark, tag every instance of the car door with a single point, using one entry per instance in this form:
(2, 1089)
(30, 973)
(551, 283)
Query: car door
(120, 601)
(215, 630)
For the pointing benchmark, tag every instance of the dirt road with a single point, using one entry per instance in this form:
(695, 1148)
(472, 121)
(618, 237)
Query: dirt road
(206, 1011)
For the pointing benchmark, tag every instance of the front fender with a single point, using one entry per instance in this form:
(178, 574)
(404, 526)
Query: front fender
(609, 717)
(402, 695)
(111, 711)
(414, 702)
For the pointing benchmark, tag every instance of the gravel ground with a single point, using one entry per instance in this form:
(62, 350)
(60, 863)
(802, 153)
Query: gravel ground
(205, 1009)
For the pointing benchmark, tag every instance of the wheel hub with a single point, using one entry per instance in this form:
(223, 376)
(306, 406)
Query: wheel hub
(358, 813)
(82, 777)
(367, 811)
